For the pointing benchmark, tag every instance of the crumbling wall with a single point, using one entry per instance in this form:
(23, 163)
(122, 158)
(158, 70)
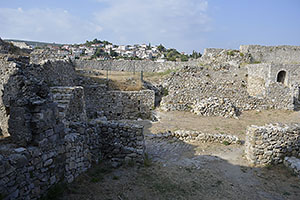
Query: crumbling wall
(187, 87)
(269, 144)
(44, 147)
(132, 65)
(117, 105)
(23, 86)
(7, 69)
(223, 58)
(263, 82)
(272, 54)
(257, 78)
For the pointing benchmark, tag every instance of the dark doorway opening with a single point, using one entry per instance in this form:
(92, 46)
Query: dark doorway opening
(281, 77)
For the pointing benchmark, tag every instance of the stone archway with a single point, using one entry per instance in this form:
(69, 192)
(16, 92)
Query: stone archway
(281, 77)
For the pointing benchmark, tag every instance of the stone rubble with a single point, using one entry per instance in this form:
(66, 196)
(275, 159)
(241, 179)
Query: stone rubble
(293, 164)
(214, 106)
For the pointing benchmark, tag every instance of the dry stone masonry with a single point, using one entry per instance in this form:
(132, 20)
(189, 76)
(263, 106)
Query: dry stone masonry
(50, 139)
(187, 135)
(131, 65)
(215, 107)
(117, 105)
(270, 144)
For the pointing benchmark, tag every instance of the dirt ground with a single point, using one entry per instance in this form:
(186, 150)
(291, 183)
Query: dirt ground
(179, 170)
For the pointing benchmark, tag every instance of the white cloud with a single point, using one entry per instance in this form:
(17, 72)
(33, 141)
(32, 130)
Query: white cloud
(157, 21)
(174, 23)
(55, 25)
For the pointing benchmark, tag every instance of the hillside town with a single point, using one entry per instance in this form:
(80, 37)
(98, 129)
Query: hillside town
(104, 50)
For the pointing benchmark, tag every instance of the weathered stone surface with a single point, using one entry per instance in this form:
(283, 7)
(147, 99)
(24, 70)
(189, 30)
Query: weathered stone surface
(269, 144)
(117, 105)
(187, 135)
(130, 66)
(293, 164)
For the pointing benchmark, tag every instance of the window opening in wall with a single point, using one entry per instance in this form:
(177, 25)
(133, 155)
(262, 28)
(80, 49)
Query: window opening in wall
(281, 77)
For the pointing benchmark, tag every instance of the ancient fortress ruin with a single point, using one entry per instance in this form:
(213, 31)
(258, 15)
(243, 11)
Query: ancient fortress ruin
(55, 123)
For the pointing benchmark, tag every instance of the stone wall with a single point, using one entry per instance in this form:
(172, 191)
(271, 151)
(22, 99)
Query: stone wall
(272, 54)
(27, 84)
(269, 144)
(27, 172)
(131, 65)
(189, 86)
(120, 142)
(50, 138)
(7, 69)
(223, 58)
(263, 82)
(187, 135)
(117, 105)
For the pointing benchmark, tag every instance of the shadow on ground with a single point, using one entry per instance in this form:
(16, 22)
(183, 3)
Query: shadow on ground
(178, 170)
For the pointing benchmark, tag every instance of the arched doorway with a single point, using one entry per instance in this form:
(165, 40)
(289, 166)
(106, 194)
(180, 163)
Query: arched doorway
(281, 76)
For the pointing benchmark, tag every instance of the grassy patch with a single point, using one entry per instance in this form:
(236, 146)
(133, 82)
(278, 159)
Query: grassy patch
(159, 74)
(165, 92)
(256, 62)
(230, 53)
(226, 143)
(147, 160)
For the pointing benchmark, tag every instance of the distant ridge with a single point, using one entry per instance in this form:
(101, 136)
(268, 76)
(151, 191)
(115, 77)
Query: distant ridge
(33, 43)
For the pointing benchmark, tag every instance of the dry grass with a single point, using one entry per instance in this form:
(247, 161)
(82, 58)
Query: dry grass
(126, 81)
(117, 80)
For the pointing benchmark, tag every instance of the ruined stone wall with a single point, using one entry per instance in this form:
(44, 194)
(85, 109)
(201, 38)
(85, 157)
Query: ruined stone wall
(223, 58)
(7, 69)
(26, 84)
(45, 147)
(189, 135)
(189, 86)
(257, 78)
(262, 82)
(272, 54)
(132, 65)
(117, 105)
(269, 144)
(120, 142)
(62, 154)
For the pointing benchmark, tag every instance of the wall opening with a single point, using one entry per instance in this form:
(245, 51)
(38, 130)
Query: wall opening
(281, 77)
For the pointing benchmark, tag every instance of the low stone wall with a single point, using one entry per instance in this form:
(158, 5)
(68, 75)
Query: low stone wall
(132, 65)
(120, 142)
(117, 105)
(271, 143)
(186, 135)
(28, 172)
(274, 54)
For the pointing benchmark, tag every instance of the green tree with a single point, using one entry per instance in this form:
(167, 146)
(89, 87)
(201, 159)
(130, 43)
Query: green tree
(161, 48)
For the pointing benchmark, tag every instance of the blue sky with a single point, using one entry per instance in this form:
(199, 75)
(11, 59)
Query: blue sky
(182, 24)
